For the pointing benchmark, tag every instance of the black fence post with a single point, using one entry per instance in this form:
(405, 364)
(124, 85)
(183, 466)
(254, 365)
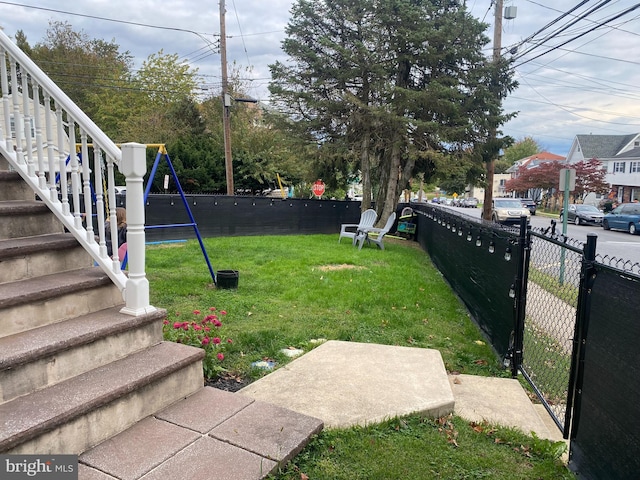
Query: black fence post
(576, 374)
(522, 277)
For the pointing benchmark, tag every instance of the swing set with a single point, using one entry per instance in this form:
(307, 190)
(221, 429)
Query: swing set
(162, 154)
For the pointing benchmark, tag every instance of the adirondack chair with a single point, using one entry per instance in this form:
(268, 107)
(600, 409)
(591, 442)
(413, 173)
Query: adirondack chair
(350, 230)
(378, 232)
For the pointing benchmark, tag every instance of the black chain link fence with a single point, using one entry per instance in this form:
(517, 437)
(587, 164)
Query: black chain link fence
(550, 317)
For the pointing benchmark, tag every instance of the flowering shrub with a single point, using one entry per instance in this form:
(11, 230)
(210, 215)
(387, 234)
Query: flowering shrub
(203, 331)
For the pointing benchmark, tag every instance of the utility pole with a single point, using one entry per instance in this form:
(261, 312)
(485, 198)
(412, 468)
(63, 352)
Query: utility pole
(226, 102)
(497, 46)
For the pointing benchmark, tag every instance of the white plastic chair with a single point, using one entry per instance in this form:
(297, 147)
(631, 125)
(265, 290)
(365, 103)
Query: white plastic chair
(350, 230)
(378, 232)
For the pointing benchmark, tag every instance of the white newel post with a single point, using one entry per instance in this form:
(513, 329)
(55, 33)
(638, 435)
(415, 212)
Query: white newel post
(133, 167)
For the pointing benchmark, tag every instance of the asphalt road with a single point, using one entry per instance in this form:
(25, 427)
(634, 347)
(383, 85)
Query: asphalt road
(612, 243)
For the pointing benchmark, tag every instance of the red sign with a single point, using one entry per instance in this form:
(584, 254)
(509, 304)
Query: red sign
(318, 188)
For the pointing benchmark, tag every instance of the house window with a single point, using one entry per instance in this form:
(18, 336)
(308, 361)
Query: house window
(618, 167)
(620, 194)
(634, 167)
(635, 194)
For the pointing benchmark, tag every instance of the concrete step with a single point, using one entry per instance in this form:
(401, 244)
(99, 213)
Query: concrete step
(13, 188)
(240, 438)
(42, 357)
(19, 218)
(26, 257)
(40, 301)
(79, 413)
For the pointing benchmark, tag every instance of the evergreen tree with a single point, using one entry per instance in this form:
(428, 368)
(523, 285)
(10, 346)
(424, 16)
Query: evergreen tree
(386, 86)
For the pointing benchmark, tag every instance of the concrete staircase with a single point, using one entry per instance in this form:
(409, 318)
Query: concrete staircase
(77, 376)
(74, 371)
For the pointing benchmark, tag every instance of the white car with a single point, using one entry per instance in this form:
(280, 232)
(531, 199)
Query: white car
(508, 210)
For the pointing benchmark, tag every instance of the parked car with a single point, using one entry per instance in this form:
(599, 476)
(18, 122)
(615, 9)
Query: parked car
(530, 204)
(470, 202)
(582, 214)
(508, 210)
(624, 217)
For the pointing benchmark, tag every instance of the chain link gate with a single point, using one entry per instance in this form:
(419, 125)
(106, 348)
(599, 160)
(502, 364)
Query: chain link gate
(552, 288)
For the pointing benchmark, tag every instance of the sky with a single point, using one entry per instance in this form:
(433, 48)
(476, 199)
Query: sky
(576, 86)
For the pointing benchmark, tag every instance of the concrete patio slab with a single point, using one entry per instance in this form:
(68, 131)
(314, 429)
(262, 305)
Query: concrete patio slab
(209, 458)
(350, 383)
(501, 401)
(269, 431)
(138, 450)
(205, 409)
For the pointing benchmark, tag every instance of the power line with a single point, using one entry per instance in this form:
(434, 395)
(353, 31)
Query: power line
(625, 12)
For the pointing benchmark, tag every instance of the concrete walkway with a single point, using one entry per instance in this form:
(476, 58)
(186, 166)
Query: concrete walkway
(247, 435)
(348, 383)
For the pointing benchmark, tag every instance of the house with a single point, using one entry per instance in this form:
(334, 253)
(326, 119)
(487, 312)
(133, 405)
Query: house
(498, 190)
(620, 156)
(530, 162)
(533, 161)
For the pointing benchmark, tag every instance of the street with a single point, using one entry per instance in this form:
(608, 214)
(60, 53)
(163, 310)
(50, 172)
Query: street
(611, 243)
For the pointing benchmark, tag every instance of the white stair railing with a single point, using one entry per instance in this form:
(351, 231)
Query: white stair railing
(60, 153)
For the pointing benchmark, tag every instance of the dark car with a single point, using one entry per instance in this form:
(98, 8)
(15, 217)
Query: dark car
(583, 214)
(623, 217)
(530, 204)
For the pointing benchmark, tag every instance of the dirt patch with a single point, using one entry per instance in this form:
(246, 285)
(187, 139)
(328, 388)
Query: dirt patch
(344, 266)
(229, 383)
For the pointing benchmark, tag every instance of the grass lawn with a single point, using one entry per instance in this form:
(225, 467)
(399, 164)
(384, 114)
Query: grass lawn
(296, 289)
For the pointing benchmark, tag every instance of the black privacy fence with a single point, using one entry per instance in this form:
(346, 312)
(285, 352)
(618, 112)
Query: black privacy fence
(480, 262)
(605, 432)
(168, 218)
(566, 319)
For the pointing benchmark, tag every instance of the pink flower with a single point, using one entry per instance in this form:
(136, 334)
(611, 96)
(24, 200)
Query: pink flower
(177, 325)
(185, 326)
(216, 340)
(197, 327)
(209, 318)
(229, 340)
(207, 329)
(165, 322)
(217, 323)
(220, 356)
(212, 309)
(206, 340)
(196, 312)
(223, 312)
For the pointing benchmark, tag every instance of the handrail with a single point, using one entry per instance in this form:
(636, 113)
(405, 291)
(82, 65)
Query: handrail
(99, 137)
(39, 125)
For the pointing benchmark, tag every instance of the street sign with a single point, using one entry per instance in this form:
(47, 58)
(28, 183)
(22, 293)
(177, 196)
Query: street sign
(318, 188)
(567, 179)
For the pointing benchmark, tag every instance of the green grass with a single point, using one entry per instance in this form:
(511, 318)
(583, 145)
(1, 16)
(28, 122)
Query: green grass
(294, 289)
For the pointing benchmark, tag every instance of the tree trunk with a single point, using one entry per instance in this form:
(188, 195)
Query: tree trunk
(365, 171)
(392, 192)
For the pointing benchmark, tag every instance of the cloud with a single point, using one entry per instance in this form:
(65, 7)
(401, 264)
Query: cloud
(586, 86)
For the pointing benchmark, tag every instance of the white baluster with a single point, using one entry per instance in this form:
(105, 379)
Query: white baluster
(134, 166)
